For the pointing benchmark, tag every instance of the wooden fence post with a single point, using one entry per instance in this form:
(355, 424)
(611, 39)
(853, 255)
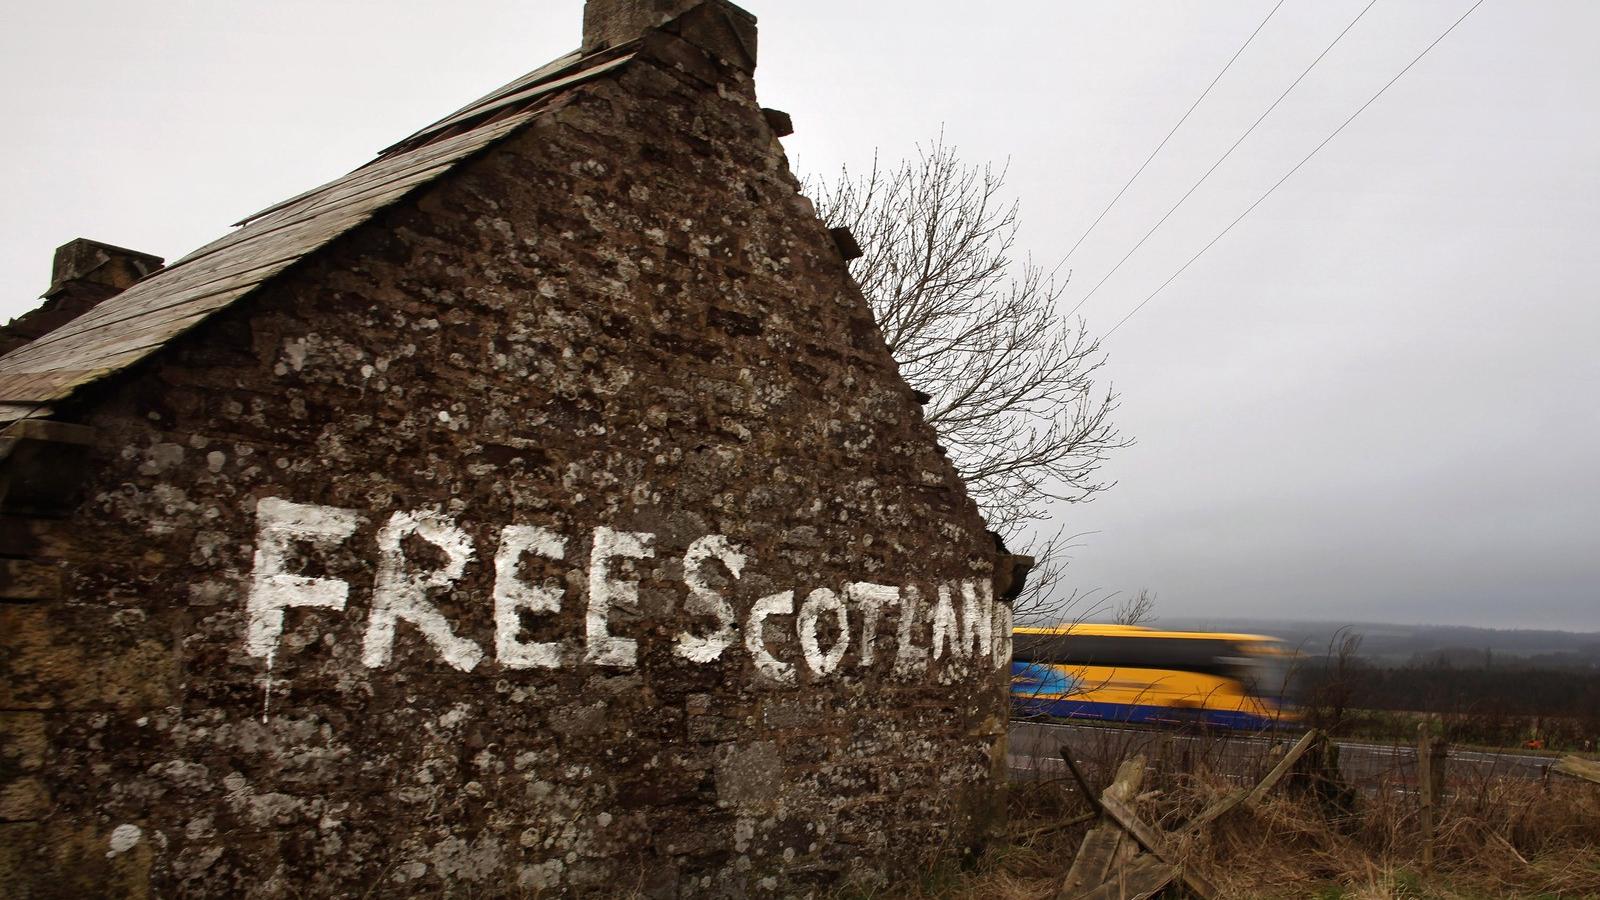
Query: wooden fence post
(1431, 755)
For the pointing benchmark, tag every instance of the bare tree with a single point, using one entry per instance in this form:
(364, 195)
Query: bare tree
(1011, 382)
(1334, 684)
(1137, 610)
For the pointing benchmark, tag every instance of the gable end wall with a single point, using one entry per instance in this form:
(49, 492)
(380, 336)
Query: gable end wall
(620, 344)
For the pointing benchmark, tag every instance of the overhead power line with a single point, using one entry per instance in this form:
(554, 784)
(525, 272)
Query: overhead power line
(1314, 151)
(1164, 140)
(1224, 157)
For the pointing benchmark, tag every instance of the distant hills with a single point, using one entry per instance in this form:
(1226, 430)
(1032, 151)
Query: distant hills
(1393, 645)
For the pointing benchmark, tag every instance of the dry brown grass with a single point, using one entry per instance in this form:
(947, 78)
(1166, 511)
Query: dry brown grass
(1497, 837)
(1505, 838)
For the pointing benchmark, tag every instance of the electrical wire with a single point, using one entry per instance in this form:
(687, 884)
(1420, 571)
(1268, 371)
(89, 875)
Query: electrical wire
(1223, 158)
(1314, 151)
(1164, 140)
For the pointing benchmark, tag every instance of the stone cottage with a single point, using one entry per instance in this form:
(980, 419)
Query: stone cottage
(533, 511)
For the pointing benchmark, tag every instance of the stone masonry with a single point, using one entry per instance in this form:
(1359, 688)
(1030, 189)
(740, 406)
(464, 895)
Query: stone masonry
(562, 528)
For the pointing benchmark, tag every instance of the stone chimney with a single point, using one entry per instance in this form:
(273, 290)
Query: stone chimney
(84, 274)
(92, 267)
(715, 26)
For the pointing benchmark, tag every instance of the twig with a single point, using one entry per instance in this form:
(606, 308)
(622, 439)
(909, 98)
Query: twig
(1507, 844)
(1057, 826)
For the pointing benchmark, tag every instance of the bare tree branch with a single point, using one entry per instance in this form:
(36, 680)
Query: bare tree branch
(1137, 610)
(1013, 390)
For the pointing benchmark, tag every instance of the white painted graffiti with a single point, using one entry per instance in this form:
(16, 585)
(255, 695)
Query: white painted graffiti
(964, 622)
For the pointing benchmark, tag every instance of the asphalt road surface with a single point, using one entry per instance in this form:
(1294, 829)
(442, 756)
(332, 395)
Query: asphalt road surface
(1035, 752)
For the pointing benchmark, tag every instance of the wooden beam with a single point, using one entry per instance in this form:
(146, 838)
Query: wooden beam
(1255, 794)
(1215, 811)
(1092, 864)
(1138, 880)
(1153, 841)
(1102, 847)
(1283, 766)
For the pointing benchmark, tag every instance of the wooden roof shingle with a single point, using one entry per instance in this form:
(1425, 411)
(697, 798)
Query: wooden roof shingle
(131, 326)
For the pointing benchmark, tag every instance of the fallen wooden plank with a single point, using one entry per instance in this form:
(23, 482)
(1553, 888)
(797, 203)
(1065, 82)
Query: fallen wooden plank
(1153, 841)
(1092, 866)
(1578, 767)
(1215, 811)
(1283, 766)
(1125, 789)
(1255, 794)
(1101, 850)
(1138, 880)
(1130, 775)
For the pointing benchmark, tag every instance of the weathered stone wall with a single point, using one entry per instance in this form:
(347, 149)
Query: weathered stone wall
(504, 546)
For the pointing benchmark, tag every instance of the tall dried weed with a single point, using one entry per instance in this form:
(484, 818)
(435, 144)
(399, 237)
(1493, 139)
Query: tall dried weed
(1496, 836)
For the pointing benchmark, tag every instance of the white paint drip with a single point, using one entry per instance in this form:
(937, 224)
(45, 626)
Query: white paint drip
(266, 686)
(703, 601)
(512, 595)
(604, 649)
(822, 600)
(755, 636)
(399, 594)
(279, 524)
(872, 598)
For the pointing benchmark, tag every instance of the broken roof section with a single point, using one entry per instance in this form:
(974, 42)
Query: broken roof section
(137, 323)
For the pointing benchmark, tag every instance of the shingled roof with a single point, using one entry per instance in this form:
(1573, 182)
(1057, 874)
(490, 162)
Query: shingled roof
(137, 323)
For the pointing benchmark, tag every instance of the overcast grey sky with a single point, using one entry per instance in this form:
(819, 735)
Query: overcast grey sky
(1373, 400)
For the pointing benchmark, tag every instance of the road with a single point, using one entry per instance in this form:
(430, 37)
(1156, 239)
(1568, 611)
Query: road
(1035, 752)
